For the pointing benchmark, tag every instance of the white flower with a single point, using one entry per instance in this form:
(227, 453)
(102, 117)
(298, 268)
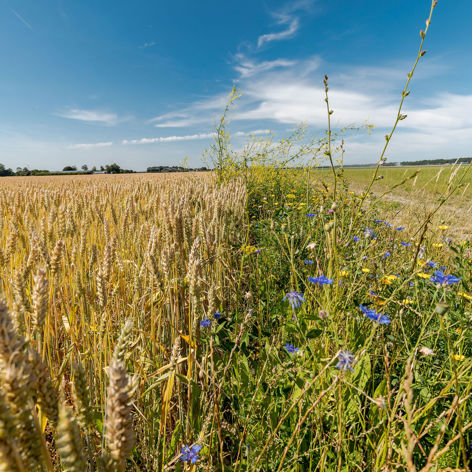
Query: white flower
(426, 351)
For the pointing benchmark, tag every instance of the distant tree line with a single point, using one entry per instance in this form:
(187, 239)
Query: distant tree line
(175, 169)
(24, 171)
(426, 162)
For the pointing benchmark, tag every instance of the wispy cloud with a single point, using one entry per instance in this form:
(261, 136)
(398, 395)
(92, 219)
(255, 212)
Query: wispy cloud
(90, 116)
(90, 145)
(190, 137)
(292, 24)
(148, 45)
(21, 19)
(247, 67)
(168, 139)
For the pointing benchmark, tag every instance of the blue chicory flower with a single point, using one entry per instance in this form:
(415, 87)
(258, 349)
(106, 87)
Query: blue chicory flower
(356, 239)
(290, 348)
(321, 280)
(440, 278)
(378, 221)
(190, 454)
(311, 215)
(308, 262)
(217, 315)
(387, 254)
(205, 323)
(400, 228)
(346, 359)
(294, 298)
(373, 315)
(406, 244)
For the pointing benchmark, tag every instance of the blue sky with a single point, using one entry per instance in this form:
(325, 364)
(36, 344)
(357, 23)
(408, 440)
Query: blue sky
(143, 83)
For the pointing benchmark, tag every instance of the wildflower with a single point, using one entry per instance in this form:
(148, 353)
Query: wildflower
(343, 273)
(291, 195)
(388, 279)
(321, 280)
(423, 275)
(458, 357)
(406, 244)
(294, 298)
(356, 239)
(407, 301)
(378, 221)
(371, 292)
(369, 233)
(190, 454)
(426, 351)
(247, 250)
(431, 264)
(217, 315)
(465, 295)
(291, 349)
(311, 246)
(387, 254)
(311, 215)
(373, 315)
(400, 228)
(330, 211)
(205, 323)
(443, 227)
(388, 225)
(365, 270)
(438, 245)
(308, 262)
(248, 296)
(346, 359)
(440, 278)
(323, 314)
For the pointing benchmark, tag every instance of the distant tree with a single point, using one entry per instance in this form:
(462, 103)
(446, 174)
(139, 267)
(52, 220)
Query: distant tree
(113, 169)
(4, 171)
(69, 168)
(24, 171)
(94, 169)
(102, 168)
(84, 168)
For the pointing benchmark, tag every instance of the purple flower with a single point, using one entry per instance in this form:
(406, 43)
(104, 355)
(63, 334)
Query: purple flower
(205, 323)
(321, 280)
(330, 211)
(217, 315)
(440, 278)
(406, 244)
(308, 262)
(311, 215)
(431, 264)
(387, 254)
(356, 239)
(388, 225)
(400, 228)
(378, 221)
(346, 359)
(294, 298)
(373, 315)
(369, 233)
(290, 348)
(190, 454)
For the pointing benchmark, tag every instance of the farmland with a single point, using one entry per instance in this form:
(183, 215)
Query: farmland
(163, 320)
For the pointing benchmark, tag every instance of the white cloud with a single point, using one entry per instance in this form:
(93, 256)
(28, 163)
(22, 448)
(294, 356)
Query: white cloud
(169, 139)
(148, 45)
(90, 145)
(248, 68)
(21, 19)
(90, 116)
(292, 27)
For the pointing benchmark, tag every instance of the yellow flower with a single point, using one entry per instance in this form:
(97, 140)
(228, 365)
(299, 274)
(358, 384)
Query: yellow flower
(443, 227)
(458, 357)
(407, 301)
(365, 270)
(343, 273)
(438, 245)
(424, 275)
(379, 302)
(465, 295)
(388, 279)
(458, 330)
(462, 243)
(421, 262)
(291, 195)
(249, 249)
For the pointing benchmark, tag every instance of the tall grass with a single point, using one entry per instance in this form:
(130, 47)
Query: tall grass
(259, 318)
